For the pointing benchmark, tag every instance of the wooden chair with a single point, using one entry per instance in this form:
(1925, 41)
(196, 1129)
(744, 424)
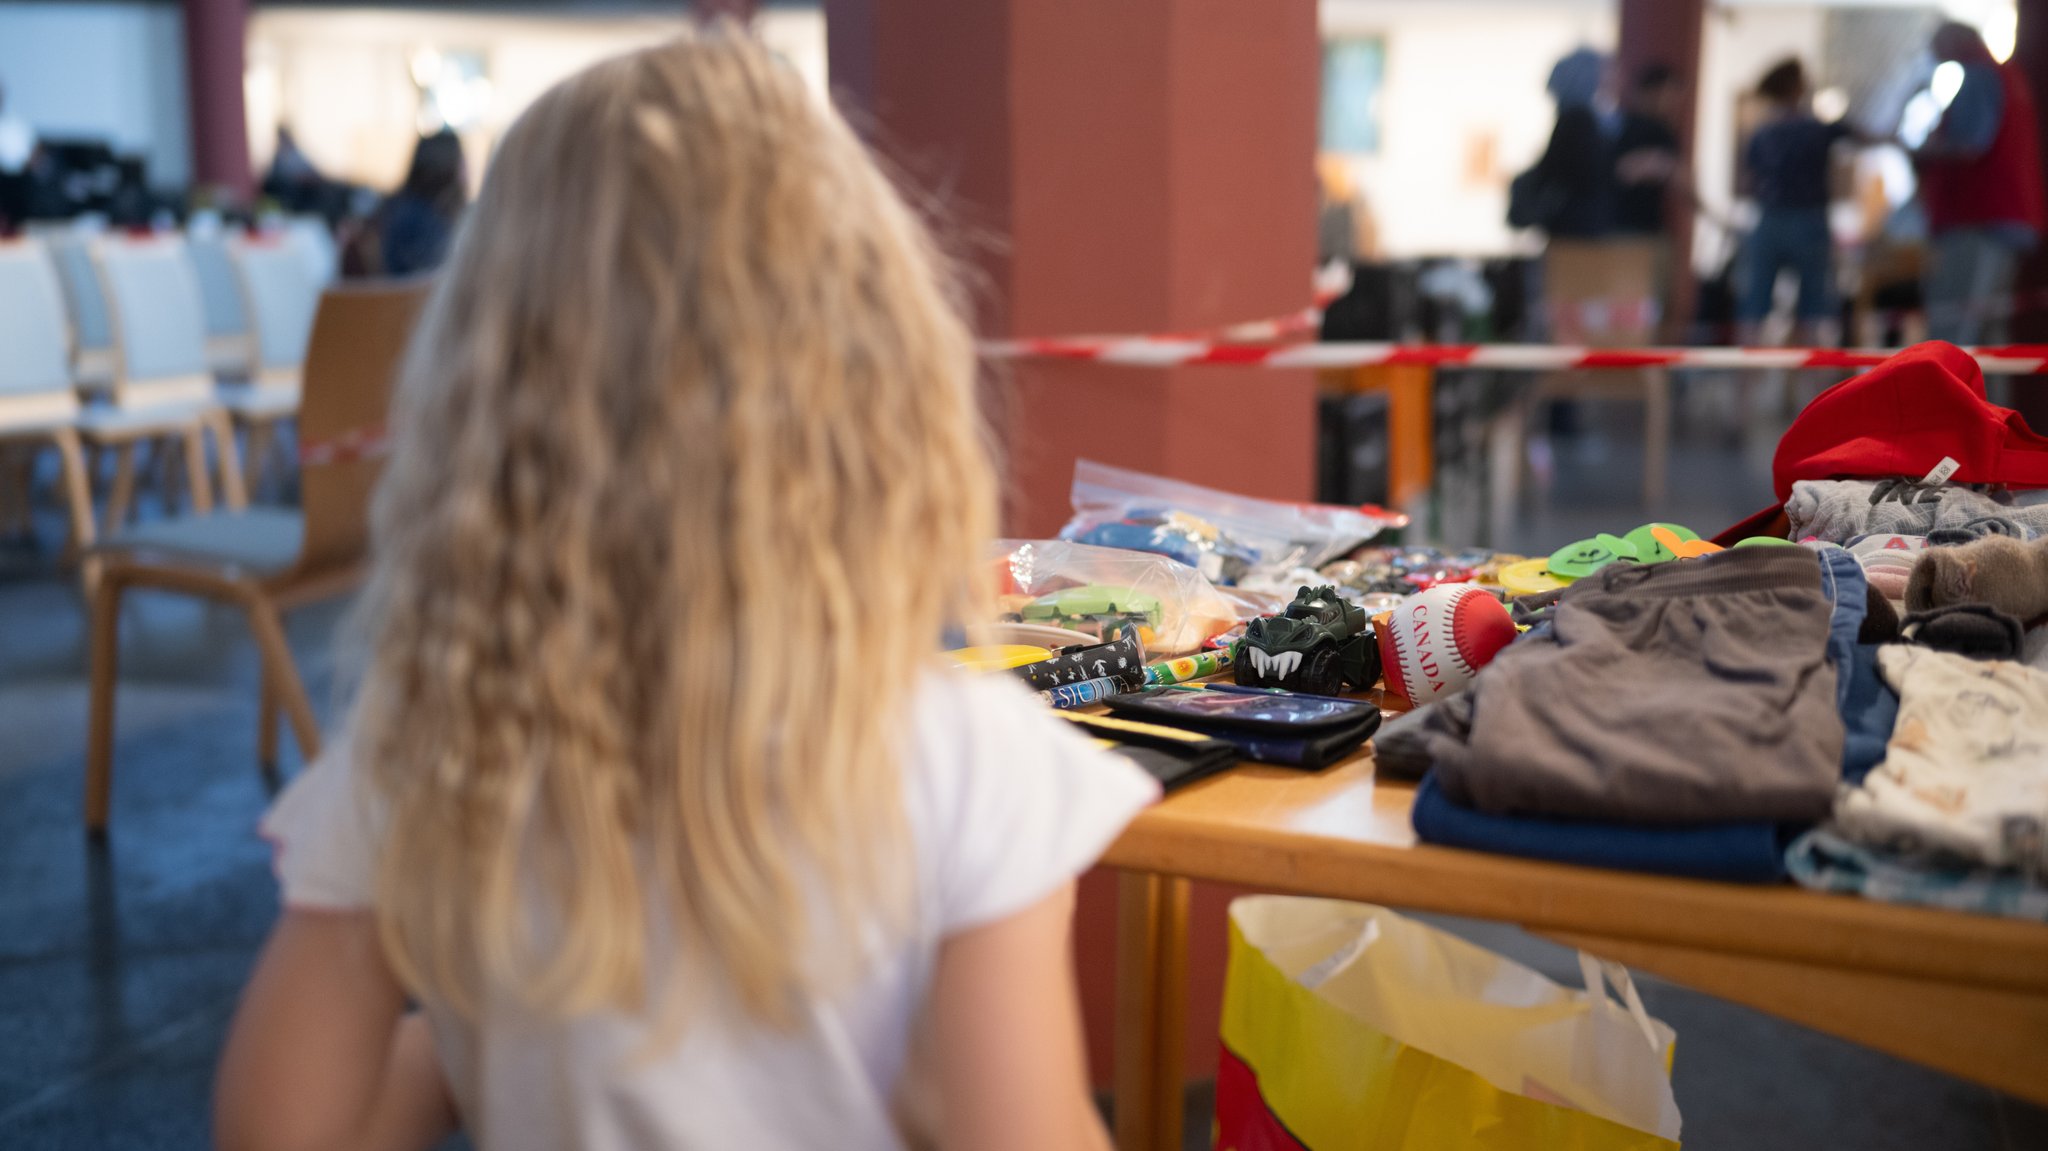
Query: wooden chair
(163, 384)
(1604, 293)
(38, 406)
(267, 560)
(279, 296)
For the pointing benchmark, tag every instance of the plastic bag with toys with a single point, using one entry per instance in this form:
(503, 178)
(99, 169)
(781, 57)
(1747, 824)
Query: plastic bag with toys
(1055, 593)
(1227, 537)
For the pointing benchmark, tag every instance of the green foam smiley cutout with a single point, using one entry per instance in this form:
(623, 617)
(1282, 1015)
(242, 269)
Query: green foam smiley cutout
(1585, 557)
(1649, 550)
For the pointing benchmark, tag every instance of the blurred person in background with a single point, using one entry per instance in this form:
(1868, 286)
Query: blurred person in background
(293, 180)
(1345, 229)
(17, 148)
(1647, 160)
(1786, 171)
(415, 224)
(1569, 192)
(1649, 165)
(17, 139)
(1981, 188)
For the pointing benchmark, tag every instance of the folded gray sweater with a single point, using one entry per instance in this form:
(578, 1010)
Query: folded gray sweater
(1837, 510)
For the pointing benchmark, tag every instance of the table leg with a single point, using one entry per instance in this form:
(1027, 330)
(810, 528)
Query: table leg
(1137, 1008)
(1170, 996)
(1411, 433)
(1151, 1010)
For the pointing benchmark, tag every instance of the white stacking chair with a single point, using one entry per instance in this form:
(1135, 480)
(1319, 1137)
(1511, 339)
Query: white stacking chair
(228, 341)
(38, 405)
(313, 240)
(280, 297)
(163, 385)
(85, 302)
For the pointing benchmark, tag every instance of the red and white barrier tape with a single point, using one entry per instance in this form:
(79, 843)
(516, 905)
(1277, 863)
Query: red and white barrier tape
(346, 448)
(1157, 352)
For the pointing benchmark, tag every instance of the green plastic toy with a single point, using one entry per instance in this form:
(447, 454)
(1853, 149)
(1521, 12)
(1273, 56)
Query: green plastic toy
(1577, 560)
(1649, 550)
(1095, 605)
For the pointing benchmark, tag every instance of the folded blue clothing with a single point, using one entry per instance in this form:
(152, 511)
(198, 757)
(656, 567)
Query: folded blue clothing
(1870, 708)
(1734, 852)
(1843, 582)
(1825, 861)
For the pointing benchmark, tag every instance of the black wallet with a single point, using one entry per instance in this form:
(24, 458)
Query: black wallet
(1170, 755)
(1306, 731)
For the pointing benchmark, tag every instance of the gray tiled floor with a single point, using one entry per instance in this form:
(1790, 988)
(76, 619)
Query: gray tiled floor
(119, 962)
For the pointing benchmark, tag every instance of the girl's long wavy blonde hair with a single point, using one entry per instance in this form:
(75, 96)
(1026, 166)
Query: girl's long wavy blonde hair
(688, 479)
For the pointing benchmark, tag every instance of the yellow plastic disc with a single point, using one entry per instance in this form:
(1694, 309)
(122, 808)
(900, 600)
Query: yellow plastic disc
(997, 657)
(1530, 577)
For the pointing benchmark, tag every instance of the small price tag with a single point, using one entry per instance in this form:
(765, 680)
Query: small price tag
(1942, 471)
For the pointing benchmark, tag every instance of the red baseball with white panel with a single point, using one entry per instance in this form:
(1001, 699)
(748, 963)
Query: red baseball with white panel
(1435, 641)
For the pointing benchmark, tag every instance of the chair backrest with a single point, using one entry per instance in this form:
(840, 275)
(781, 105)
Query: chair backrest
(1603, 293)
(35, 369)
(359, 338)
(84, 300)
(159, 321)
(313, 240)
(280, 298)
(220, 289)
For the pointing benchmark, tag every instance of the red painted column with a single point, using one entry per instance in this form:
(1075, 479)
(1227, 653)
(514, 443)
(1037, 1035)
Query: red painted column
(215, 44)
(1142, 166)
(2030, 317)
(1668, 32)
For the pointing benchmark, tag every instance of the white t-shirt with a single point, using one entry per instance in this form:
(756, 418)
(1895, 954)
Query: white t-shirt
(1006, 802)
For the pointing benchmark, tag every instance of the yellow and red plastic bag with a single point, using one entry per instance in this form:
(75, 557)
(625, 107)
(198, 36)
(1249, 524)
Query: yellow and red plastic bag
(1350, 1028)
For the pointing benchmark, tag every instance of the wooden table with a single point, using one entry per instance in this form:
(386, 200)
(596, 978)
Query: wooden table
(1966, 994)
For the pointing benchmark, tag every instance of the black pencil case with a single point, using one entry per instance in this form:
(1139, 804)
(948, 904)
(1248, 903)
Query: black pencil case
(1306, 731)
(1173, 756)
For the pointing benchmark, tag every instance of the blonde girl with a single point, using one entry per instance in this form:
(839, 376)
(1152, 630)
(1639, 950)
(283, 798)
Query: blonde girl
(656, 798)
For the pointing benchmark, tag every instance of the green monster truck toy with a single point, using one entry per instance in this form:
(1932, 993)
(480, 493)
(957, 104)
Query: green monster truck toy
(1320, 644)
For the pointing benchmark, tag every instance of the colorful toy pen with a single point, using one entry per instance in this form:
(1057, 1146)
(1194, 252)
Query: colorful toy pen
(1083, 693)
(1187, 667)
(1122, 658)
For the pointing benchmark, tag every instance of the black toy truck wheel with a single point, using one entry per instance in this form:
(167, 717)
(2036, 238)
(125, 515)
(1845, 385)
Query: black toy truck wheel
(1322, 675)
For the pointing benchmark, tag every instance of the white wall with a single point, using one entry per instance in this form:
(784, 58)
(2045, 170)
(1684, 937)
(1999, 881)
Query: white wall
(107, 70)
(341, 77)
(1464, 109)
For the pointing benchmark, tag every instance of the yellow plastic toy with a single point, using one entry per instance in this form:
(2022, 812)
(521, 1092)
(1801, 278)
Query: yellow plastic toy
(998, 657)
(1530, 577)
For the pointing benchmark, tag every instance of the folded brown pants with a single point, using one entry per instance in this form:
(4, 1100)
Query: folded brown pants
(1691, 691)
